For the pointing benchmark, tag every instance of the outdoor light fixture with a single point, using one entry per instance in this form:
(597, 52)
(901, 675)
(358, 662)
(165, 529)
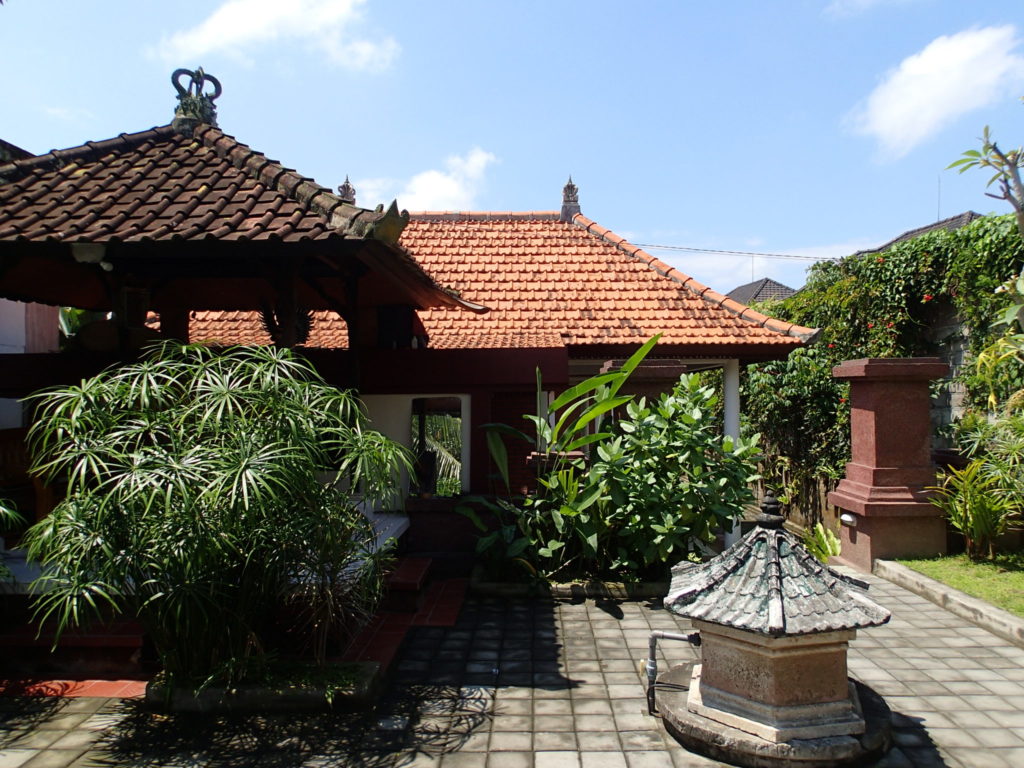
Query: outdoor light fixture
(848, 518)
(91, 253)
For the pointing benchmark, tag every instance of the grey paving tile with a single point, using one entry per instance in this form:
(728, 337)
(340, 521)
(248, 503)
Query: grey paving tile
(599, 741)
(593, 723)
(54, 758)
(557, 759)
(641, 740)
(649, 759)
(511, 741)
(15, 758)
(602, 760)
(552, 722)
(510, 760)
(552, 707)
(464, 760)
(554, 740)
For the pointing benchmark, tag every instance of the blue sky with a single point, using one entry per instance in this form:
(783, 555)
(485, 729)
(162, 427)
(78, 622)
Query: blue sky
(805, 127)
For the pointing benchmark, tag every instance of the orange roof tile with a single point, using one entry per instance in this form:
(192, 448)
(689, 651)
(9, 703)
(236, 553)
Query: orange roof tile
(552, 283)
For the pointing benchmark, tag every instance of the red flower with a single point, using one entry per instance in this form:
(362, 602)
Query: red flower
(889, 325)
(927, 297)
(880, 260)
(871, 325)
(831, 346)
(842, 399)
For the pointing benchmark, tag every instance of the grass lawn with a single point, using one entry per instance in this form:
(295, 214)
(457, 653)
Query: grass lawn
(999, 581)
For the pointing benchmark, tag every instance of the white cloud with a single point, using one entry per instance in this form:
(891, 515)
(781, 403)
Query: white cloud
(68, 114)
(453, 189)
(841, 8)
(951, 76)
(241, 27)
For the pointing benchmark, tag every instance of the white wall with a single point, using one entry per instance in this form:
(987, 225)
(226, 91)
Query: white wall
(392, 416)
(12, 341)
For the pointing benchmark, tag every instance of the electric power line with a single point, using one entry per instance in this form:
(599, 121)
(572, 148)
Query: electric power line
(737, 253)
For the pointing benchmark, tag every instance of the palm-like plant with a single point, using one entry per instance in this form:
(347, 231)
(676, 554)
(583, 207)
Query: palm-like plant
(195, 502)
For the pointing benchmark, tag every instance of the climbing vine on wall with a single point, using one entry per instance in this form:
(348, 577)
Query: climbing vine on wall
(873, 305)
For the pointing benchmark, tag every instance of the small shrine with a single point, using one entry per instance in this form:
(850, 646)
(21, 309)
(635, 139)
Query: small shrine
(772, 686)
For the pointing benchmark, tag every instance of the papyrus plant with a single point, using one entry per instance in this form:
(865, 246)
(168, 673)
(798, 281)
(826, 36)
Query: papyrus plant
(196, 502)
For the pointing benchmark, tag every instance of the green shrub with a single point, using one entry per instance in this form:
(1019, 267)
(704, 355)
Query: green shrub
(658, 478)
(822, 542)
(877, 305)
(196, 503)
(976, 506)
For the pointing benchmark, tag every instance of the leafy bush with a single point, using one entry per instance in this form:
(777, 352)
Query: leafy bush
(8, 517)
(822, 542)
(976, 506)
(195, 502)
(658, 478)
(876, 305)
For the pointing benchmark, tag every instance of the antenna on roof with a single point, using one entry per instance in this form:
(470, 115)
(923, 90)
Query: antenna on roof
(570, 201)
(194, 106)
(347, 192)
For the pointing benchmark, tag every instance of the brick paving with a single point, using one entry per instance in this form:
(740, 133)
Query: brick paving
(542, 684)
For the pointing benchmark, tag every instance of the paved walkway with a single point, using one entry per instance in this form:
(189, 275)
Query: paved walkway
(546, 684)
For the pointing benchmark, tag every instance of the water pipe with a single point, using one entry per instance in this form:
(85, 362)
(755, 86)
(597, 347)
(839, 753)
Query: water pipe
(652, 659)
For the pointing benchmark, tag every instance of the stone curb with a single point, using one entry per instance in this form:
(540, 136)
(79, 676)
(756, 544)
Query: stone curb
(997, 621)
(246, 698)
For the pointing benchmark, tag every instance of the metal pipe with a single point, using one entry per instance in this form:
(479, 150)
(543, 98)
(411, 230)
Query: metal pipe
(692, 638)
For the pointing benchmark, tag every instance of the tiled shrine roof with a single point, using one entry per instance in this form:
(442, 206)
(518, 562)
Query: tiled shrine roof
(770, 584)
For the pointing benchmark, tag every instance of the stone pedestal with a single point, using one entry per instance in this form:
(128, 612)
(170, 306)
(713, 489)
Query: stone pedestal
(890, 467)
(777, 688)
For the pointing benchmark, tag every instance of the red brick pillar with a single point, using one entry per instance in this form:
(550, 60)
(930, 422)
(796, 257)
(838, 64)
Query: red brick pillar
(890, 467)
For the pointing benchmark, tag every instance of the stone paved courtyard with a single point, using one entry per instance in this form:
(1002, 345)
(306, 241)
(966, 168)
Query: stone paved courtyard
(542, 684)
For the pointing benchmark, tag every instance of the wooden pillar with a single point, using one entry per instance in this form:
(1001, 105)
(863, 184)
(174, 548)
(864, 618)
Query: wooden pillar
(731, 413)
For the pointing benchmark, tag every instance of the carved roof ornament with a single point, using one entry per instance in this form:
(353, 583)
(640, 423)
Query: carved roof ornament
(194, 106)
(570, 201)
(347, 192)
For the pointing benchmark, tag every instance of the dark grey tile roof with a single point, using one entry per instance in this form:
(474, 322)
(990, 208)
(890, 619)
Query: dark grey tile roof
(10, 152)
(764, 289)
(770, 584)
(953, 222)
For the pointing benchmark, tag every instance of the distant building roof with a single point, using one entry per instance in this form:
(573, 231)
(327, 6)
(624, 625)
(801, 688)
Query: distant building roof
(764, 289)
(769, 583)
(9, 152)
(953, 222)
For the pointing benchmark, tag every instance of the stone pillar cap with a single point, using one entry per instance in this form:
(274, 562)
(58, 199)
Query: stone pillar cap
(892, 368)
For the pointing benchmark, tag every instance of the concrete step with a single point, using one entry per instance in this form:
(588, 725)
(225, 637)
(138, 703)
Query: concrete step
(405, 584)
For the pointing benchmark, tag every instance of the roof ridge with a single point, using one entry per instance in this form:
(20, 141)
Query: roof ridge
(302, 189)
(959, 220)
(711, 296)
(484, 215)
(57, 157)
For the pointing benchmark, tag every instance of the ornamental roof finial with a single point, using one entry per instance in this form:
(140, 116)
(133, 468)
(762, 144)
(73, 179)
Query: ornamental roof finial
(194, 106)
(570, 201)
(347, 192)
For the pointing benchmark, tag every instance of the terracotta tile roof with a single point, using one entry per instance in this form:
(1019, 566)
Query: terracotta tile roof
(578, 280)
(162, 185)
(549, 282)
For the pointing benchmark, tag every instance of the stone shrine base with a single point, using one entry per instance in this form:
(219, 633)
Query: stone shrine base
(723, 742)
